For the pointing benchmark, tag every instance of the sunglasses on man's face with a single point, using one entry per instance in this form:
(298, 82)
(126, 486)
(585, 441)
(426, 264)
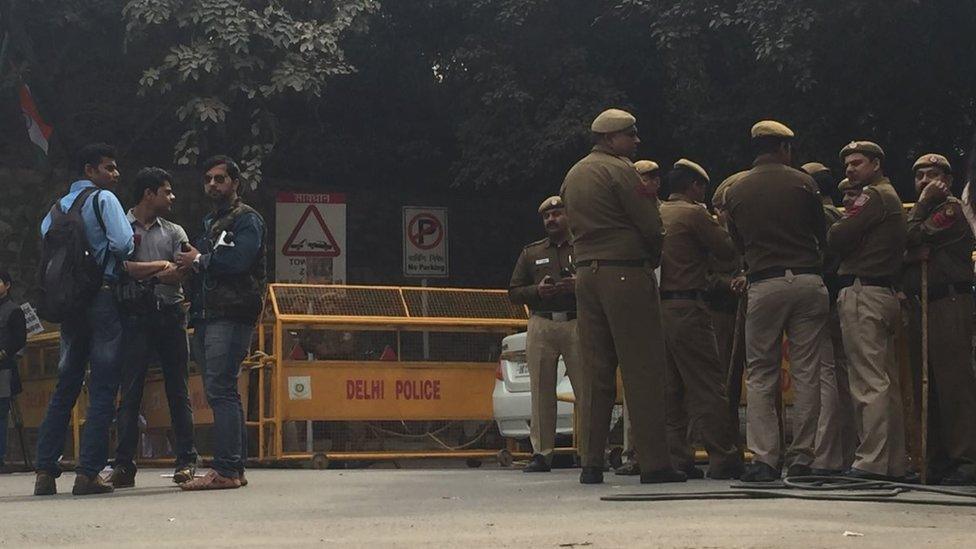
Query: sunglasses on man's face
(218, 178)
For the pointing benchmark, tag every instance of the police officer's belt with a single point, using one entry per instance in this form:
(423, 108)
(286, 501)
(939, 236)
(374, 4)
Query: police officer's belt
(777, 272)
(612, 262)
(883, 281)
(556, 315)
(940, 291)
(683, 294)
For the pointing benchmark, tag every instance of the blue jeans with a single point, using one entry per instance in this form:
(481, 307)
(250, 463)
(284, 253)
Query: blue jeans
(92, 339)
(4, 414)
(219, 347)
(161, 332)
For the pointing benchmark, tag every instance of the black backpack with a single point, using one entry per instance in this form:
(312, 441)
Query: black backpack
(69, 276)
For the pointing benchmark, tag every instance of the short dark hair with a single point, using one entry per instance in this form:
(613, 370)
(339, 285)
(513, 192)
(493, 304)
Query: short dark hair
(93, 153)
(680, 179)
(149, 179)
(233, 170)
(768, 144)
(825, 182)
(5, 278)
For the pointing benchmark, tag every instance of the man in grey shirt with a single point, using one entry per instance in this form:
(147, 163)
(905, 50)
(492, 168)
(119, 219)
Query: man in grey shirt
(157, 326)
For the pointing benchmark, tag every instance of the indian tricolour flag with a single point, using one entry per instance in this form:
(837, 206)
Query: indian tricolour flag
(37, 130)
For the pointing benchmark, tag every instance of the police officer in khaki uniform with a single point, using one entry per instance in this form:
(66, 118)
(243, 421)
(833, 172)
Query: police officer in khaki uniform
(940, 238)
(776, 216)
(696, 379)
(727, 305)
(617, 238)
(836, 435)
(849, 192)
(544, 281)
(650, 174)
(870, 240)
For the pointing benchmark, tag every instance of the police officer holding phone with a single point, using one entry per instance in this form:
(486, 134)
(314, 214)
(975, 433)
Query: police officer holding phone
(544, 281)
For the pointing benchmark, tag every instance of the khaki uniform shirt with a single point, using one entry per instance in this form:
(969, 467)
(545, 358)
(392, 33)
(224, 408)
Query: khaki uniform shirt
(776, 218)
(691, 237)
(610, 216)
(537, 260)
(870, 238)
(941, 228)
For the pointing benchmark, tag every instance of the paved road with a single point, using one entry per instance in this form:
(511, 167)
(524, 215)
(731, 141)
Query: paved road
(450, 508)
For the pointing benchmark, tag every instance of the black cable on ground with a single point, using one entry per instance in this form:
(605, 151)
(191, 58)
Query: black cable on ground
(816, 488)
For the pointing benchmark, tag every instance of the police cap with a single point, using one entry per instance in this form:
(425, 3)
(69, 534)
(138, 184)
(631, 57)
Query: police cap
(688, 164)
(847, 185)
(646, 166)
(814, 167)
(867, 148)
(550, 203)
(932, 160)
(771, 128)
(612, 120)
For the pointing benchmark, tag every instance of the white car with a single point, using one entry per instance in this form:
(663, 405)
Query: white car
(512, 397)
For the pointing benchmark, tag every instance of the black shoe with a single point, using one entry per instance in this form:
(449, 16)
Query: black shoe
(123, 475)
(184, 473)
(693, 473)
(854, 472)
(86, 485)
(798, 470)
(759, 472)
(537, 465)
(44, 484)
(826, 472)
(591, 475)
(959, 477)
(631, 468)
(727, 472)
(663, 475)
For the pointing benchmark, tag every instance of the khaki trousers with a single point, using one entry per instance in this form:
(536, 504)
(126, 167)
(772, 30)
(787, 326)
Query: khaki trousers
(952, 383)
(796, 305)
(869, 317)
(697, 401)
(733, 365)
(546, 341)
(620, 324)
(836, 432)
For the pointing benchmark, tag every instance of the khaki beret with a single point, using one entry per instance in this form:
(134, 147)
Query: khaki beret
(685, 163)
(814, 167)
(646, 166)
(718, 198)
(866, 148)
(930, 160)
(612, 120)
(550, 203)
(846, 185)
(771, 128)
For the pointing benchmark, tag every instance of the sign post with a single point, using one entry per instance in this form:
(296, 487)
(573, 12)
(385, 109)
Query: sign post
(310, 238)
(425, 250)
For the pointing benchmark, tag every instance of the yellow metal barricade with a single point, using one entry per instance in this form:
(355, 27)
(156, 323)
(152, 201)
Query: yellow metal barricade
(381, 360)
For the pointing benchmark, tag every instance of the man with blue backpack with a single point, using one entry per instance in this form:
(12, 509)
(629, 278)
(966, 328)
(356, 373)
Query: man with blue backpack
(86, 239)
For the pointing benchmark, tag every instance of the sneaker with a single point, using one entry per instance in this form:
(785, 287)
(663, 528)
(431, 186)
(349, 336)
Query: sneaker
(537, 465)
(44, 484)
(86, 485)
(591, 475)
(664, 475)
(123, 476)
(693, 473)
(631, 468)
(798, 470)
(211, 481)
(759, 472)
(184, 473)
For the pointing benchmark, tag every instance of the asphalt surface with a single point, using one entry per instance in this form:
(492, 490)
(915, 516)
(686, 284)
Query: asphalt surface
(451, 507)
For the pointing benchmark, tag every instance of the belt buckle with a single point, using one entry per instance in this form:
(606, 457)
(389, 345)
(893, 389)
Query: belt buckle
(560, 317)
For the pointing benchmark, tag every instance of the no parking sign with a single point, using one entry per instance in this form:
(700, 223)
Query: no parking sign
(425, 249)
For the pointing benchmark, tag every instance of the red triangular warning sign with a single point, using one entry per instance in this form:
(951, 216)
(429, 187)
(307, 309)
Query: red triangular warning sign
(316, 240)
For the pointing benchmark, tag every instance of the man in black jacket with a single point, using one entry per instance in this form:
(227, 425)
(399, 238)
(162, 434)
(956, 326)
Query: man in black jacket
(13, 337)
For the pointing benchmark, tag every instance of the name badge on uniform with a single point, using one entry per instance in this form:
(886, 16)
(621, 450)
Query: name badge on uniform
(543, 261)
